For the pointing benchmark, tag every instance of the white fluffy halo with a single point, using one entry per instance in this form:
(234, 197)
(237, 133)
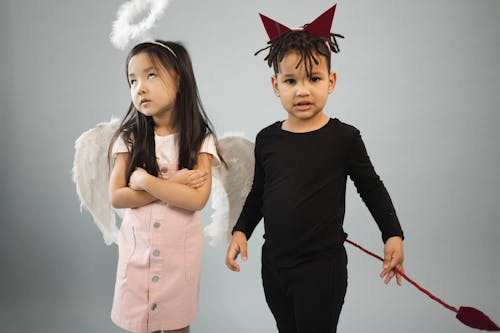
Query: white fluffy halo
(123, 29)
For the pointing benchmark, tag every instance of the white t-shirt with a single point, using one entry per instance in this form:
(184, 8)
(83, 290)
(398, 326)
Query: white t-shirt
(167, 151)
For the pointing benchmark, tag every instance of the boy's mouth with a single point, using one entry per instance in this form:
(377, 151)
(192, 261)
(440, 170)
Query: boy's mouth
(303, 105)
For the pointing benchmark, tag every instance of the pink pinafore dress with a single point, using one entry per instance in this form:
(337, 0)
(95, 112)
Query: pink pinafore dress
(159, 264)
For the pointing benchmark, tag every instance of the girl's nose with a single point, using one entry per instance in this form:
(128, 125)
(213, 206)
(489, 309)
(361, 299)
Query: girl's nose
(141, 88)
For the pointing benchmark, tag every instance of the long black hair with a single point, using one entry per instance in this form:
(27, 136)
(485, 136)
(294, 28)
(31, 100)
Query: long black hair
(304, 43)
(189, 118)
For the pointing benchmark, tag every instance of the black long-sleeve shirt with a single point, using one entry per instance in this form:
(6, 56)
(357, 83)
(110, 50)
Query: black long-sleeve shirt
(299, 188)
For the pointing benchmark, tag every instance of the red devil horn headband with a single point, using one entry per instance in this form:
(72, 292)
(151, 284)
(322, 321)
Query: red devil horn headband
(320, 27)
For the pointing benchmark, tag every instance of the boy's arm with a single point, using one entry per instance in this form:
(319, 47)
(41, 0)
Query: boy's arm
(377, 199)
(250, 216)
(372, 189)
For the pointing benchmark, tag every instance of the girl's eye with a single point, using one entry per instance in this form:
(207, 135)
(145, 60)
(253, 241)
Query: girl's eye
(151, 75)
(132, 82)
(290, 81)
(315, 79)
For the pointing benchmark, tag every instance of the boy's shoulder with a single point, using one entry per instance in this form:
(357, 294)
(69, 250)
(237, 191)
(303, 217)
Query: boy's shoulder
(272, 128)
(347, 128)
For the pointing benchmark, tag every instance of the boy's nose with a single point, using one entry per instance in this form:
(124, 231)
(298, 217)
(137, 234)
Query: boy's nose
(302, 91)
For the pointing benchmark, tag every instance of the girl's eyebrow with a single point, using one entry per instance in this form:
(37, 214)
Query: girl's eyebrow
(144, 70)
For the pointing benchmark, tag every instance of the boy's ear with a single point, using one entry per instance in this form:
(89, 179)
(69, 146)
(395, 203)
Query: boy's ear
(332, 80)
(274, 82)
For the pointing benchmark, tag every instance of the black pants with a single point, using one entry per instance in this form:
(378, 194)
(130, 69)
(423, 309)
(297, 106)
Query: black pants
(306, 298)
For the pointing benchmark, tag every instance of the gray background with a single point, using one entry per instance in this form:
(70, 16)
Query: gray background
(420, 79)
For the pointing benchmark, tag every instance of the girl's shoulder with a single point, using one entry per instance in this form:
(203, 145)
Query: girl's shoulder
(119, 146)
(208, 146)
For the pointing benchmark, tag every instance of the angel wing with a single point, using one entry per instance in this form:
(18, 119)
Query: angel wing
(230, 186)
(91, 176)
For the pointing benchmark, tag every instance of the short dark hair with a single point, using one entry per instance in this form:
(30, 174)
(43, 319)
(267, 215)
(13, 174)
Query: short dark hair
(303, 42)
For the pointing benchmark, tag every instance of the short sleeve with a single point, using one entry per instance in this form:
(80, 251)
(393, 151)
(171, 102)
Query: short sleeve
(119, 146)
(208, 146)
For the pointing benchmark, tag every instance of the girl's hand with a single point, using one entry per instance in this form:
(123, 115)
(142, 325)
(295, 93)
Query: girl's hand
(393, 259)
(191, 178)
(138, 179)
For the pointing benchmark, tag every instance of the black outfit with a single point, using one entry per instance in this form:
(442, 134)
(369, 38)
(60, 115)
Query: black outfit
(299, 188)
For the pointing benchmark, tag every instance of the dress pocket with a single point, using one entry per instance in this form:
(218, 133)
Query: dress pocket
(126, 248)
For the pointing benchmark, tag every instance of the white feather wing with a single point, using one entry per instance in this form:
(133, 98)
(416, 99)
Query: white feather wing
(91, 176)
(230, 186)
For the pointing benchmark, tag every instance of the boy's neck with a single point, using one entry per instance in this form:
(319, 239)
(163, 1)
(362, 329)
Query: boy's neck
(303, 126)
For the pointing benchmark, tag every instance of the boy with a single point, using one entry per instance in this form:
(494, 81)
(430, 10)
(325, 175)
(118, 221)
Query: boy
(301, 167)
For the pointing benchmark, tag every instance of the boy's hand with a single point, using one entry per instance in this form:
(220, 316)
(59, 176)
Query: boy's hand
(393, 259)
(238, 245)
(191, 178)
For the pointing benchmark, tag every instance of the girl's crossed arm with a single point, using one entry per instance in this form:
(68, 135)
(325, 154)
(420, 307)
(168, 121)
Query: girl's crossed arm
(120, 195)
(174, 193)
(123, 196)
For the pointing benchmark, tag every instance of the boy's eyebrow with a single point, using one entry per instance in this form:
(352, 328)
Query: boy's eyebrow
(145, 70)
(288, 75)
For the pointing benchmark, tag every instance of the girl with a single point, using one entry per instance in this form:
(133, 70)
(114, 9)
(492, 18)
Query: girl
(160, 239)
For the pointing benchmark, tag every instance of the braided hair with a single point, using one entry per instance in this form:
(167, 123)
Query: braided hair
(305, 43)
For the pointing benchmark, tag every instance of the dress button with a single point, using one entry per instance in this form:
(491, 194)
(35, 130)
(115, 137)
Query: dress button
(156, 225)
(153, 306)
(156, 253)
(155, 278)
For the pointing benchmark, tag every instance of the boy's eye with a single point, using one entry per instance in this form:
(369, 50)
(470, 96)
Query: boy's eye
(290, 81)
(132, 82)
(315, 79)
(151, 75)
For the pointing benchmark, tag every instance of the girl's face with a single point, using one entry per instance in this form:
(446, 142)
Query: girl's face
(303, 97)
(153, 88)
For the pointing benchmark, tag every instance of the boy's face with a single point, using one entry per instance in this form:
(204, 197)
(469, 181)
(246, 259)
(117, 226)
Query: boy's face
(303, 97)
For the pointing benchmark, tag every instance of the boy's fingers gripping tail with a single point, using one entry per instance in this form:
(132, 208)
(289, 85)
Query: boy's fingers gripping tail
(399, 277)
(393, 260)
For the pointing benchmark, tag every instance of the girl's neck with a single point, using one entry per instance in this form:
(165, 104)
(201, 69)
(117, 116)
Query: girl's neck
(164, 125)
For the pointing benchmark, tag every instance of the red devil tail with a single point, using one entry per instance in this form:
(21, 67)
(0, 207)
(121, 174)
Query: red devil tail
(467, 315)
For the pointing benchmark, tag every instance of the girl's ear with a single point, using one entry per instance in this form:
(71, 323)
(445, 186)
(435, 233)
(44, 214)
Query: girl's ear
(332, 80)
(274, 82)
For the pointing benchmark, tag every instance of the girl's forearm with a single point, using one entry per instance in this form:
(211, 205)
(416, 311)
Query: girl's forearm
(176, 194)
(126, 197)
